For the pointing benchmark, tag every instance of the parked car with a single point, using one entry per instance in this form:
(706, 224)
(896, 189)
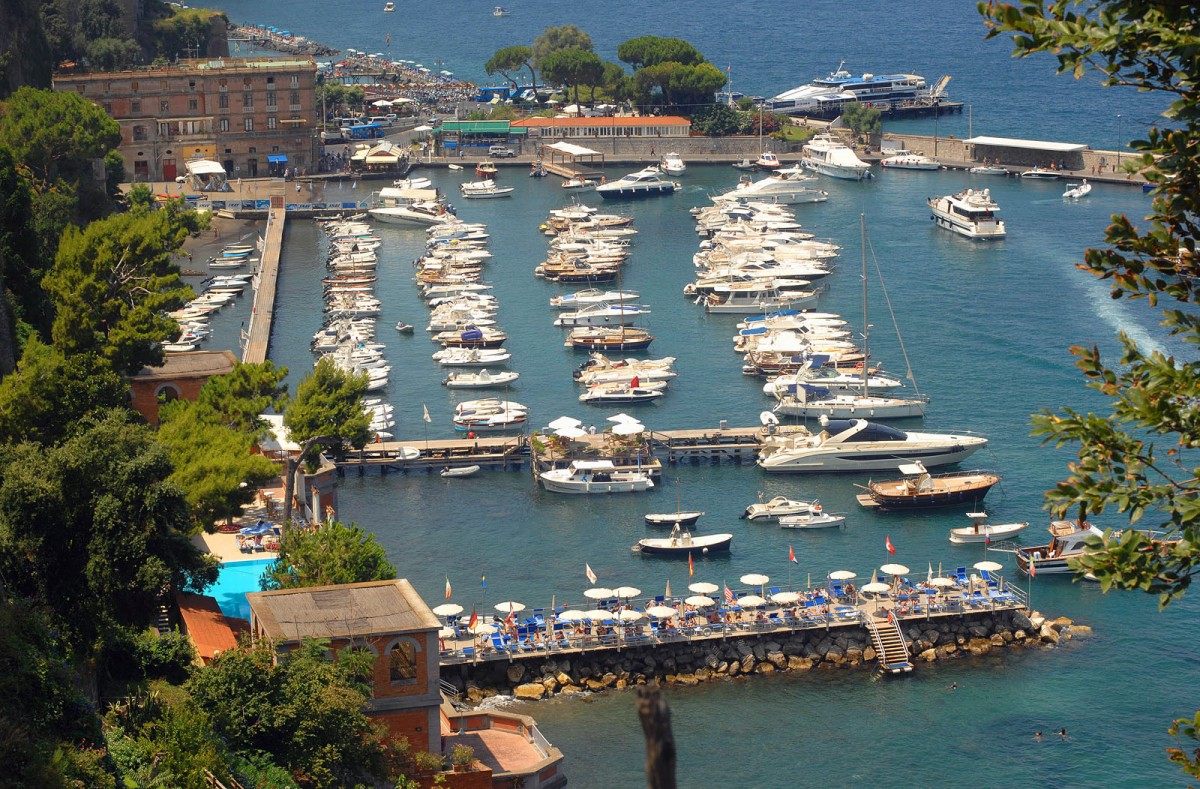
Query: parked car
(501, 152)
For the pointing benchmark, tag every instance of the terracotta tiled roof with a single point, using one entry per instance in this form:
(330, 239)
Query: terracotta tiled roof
(210, 630)
(563, 123)
(338, 611)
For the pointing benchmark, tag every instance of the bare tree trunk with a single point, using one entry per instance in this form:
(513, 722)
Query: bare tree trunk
(660, 742)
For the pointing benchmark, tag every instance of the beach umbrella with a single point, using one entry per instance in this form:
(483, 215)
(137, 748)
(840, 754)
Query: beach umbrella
(785, 597)
(875, 587)
(629, 615)
(629, 428)
(423, 128)
(624, 418)
(598, 614)
(944, 582)
(510, 607)
(483, 629)
(572, 615)
(381, 103)
(598, 593)
(751, 601)
(564, 422)
(662, 611)
(842, 575)
(988, 567)
(448, 609)
(755, 579)
(894, 569)
(703, 587)
(627, 591)
(700, 601)
(570, 432)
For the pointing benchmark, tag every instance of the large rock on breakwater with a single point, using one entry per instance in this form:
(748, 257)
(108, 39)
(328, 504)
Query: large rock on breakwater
(687, 664)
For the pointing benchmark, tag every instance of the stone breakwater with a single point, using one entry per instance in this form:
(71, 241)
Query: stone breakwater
(691, 663)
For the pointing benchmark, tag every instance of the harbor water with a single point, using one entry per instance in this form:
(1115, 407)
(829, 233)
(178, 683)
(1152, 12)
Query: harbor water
(986, 327)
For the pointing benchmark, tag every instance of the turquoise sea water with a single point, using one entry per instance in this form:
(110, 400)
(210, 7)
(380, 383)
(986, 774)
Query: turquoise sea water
(986, 327)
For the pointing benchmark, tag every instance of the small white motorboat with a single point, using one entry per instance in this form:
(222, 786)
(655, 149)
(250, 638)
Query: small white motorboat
(988, 169)
(404, 328)
(1041, 174)
(471, 357)
(594, 476)
(672, 164)
(814, 518)
(1076, 191)
(454, 166)
(673, 518)
(777, 507)
(480, 380)
(459, 471)
(982, 531)
(682, 542)
(623, 393)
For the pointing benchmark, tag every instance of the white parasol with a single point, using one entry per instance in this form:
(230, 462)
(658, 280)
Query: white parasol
(448, 609)
(446, 632)
(423, 128)
(662, 611)
(570, 432)
(598, 613)
(510, 606)
(700, 601)
(842, 575)
(943, 582)
(564, 421)
(381, 103)
(703, 587)
(624, 419)
(627, 591)
(988, 567)
(572, 615)
(755, 579)
(598, 593)
(629, 428)
(785, 597)
(894, 569)
(629, 615)
(483, 629)
(751, 601)
(875, 587)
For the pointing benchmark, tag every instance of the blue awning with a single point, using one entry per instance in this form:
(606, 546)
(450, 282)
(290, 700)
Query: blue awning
(276, 159)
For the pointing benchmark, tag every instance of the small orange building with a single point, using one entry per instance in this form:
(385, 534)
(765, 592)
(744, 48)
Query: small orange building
(179, 378)
(389, 619)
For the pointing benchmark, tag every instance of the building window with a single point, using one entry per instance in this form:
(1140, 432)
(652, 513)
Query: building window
(270, 80)
(133, 86)
(225, 125)
(192, 84)
(164, 105)
(166, 393)
(248, 124)
(271, 98)
(295, 97)
(135, 107)
(139, 134)
(108, 107)
(223, 101)
(164, 130)
(295, 82)
(271, 122)
(193, 104)
(222, 84)
(402, 661)
(248, 100)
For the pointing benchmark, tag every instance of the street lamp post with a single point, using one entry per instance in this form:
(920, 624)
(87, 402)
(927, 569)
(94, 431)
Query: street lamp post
(1118, 141)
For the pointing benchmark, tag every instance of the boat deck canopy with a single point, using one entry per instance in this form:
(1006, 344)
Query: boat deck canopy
(1033, 145)
(593, 464)
(573, 150)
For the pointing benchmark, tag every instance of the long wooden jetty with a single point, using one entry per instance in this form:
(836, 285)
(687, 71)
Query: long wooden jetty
(509, 453)
(262, 315)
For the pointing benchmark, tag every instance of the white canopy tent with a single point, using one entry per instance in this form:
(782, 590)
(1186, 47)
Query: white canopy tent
(207, 176)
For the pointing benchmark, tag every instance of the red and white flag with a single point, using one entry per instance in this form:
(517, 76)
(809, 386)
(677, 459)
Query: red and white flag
(587, 570)
(888, 542)
(792, 555)
(447, 587)
(730, 597)
(1032, 568)
(474, 619)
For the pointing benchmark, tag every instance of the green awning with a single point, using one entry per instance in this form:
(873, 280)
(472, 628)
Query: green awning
(479, 127)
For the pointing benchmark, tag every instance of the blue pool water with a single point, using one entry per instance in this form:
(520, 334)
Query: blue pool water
(234, 582)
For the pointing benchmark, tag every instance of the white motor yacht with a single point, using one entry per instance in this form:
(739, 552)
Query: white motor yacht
(907, 160)
(828, 155)
(594, 476)
(970, 213)
(788, 186)
(410, 207)
(859, 445)
(778, 507)
(573, 301)
(672, 164)
(644, 183)
(602, 314)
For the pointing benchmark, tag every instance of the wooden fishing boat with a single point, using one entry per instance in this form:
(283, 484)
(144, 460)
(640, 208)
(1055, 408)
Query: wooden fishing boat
(682, 542)
(602, 338)
(922, 489)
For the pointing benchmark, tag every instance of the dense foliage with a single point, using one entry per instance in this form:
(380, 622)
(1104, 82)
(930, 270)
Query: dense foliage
(1139, 460)
(506, 62)
(328, 404)
(333, 553)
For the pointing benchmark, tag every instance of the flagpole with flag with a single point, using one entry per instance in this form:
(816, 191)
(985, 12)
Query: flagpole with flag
(792, 558)
(447, 588)
(425, 418)
(587, 570)
(691, 565)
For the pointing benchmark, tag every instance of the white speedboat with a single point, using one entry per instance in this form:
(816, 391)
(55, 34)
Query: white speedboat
(485, 189)
(988, 169)
(644, 183)
(580, 184)
(788, 186)
(602, 314)
(815, 518)
(581, 298)
(604, 394)
(767, 160)
(481, 380)
(1067, 541)
(1076, 191)
(1041, 174)
(778, 507)
(594, 476)
(417, 207)
(828, 155)
(907, 160)
(859, 445)
(970, 213)
(757, 296)
(672, 164)
(982, 531)
(471, 357)
(682, 542)
(811, 401)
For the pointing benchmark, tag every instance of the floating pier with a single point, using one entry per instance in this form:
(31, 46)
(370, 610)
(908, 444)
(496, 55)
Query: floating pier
(258, 336)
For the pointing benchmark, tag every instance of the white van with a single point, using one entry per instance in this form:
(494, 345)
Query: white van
(382, 120)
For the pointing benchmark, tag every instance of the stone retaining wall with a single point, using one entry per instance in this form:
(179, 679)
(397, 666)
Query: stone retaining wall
(690, 663)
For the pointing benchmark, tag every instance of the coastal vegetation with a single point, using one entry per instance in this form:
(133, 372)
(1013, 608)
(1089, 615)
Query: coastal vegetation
(335, 553)
(1139, 459)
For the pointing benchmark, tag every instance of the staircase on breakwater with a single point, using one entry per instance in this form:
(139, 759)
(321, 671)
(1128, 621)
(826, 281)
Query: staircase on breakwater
(889, 644)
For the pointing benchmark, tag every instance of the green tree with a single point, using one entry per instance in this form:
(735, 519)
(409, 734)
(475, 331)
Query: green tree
(653, 50)
(511, 59)
(113, 281)
(44, 400)
(572, 68)
(93, 530)
(1139, 460)
(305, 710)
(337, 99)
(717, 120)
(239, 398)
(553, 39)
(329, 403)
(862, 120)
(331, 554)
(56, 134)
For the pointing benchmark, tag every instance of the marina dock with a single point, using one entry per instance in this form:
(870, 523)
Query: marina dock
(258, 335)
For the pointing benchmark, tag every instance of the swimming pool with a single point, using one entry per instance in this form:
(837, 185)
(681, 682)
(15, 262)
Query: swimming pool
(234, 580)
